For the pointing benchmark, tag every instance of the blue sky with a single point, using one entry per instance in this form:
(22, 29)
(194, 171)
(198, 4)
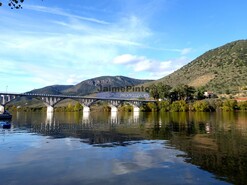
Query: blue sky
(65, 42)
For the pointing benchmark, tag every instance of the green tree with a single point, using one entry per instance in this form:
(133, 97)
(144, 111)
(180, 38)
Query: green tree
(182, 92)
(153, 91)
(199, 93)
(164, 106)
(179, 106)
(242, 105)
(69, 108)
(201, 106)
(78, 107)
(163, 90)
(229, 105)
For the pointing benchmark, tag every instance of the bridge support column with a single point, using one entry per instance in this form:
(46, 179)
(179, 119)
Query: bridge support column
(2, 109)
(114, 119)
(113, 109)
(86, 109)
(136, 109)
(50, 109)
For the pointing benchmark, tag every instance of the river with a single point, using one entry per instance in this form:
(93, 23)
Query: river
(124, 148)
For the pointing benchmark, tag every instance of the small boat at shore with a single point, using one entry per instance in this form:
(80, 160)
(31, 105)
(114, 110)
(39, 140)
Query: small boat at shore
(5, 115)
(5, 125)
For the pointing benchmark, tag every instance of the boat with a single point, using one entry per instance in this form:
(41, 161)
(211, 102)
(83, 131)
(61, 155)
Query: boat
(5, 125)
(5, 115)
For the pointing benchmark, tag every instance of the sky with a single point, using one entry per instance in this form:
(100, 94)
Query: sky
(65, 42)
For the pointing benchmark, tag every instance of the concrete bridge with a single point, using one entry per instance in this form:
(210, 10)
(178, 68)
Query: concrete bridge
(51, 100)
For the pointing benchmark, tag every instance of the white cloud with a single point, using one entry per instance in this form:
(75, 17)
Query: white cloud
(143, 65)
(165, 64)
(126, 59)
(153, 68)
(60, 12)
(186, 51)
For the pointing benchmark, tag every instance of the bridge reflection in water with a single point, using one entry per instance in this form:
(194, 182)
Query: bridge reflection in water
(90, 127)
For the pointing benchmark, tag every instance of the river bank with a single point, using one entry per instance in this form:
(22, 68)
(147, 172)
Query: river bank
(206, 105)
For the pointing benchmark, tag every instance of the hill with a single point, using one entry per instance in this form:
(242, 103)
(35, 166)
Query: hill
(91, 85)
(53, 89)
(221, 70)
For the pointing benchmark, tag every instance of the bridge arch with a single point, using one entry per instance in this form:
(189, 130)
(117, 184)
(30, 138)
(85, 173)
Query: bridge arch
(4, 100)
(136, 104)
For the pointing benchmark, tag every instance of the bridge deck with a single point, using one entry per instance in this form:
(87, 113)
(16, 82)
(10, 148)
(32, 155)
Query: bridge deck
(72, 97)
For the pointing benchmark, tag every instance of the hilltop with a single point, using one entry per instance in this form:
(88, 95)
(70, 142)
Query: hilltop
(221, 70)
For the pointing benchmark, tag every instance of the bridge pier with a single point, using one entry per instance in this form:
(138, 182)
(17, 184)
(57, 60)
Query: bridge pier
(113, 108)
(114, 119)
(86, 109)
(2, 109)
(114, 105)
(50, 109)
(136, 109)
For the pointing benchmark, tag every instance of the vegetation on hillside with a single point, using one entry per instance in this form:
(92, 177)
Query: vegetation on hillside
(179, 92)
(222, 70)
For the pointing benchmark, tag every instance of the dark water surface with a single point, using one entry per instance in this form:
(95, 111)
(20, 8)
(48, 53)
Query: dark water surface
(105, 148)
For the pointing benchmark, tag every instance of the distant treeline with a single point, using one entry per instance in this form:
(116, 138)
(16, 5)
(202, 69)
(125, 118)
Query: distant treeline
(179, 92)
(206, 105)
(183, 98)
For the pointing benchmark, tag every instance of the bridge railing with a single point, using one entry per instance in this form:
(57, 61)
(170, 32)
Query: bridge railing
(71, 97)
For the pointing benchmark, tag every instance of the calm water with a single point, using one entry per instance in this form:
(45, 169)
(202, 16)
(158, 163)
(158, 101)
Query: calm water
(105, 148)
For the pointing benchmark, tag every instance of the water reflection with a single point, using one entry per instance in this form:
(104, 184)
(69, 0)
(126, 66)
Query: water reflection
(114, 118)
(49, 118)
(216, 143)
(136, 116)
(85, 117)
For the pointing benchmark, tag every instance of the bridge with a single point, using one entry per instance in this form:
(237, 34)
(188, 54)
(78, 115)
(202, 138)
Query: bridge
(51, 100)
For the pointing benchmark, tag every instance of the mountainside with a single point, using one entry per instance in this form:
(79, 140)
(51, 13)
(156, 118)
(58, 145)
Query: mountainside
(90, 86)
(53, 89)
(93, 85)
(221, 70)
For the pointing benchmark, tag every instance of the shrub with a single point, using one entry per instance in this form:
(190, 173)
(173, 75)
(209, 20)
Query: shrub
(149, 107)
(201, 106)
(164, 106)
(179, 106)
(70, 108)
(242, 105)
(229, 105)
(78, 107)
(153, 107)
(126, 108)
